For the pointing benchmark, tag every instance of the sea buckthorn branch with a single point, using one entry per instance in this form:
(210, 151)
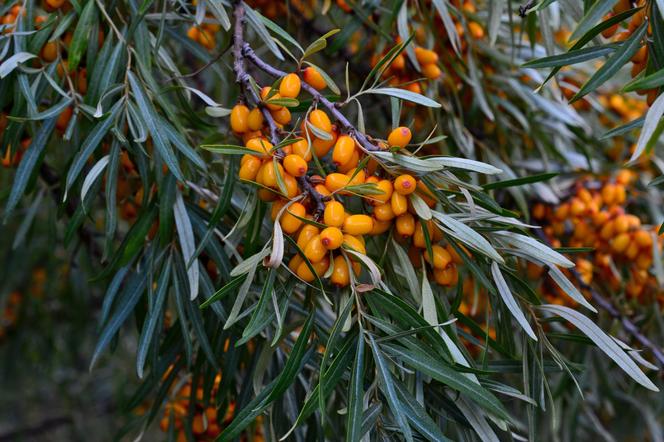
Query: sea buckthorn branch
(242, 76)
(244, 79)
(362, 139)
(608, 306)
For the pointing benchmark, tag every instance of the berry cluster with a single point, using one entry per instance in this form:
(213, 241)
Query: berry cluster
(205, 33)
(595, 216)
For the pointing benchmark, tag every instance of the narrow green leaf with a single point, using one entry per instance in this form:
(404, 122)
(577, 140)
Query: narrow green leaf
(81, 36)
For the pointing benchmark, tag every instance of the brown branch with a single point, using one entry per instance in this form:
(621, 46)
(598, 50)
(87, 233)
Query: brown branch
(523, 9)
(608, 306)
(244, 79)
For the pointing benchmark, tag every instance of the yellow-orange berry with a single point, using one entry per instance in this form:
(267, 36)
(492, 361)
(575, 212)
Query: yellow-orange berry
(354, 243)
(334, 214)
(441, 258)
(405, 184)
(315, 250)
(267, 95)
(255, 119)
(399, 137)
(249, 168)
(289, 222)
(295, 165)
(49, 52)
(281, 115)
(643, 238)
(301, 148)
(307, 232)
(314, 78)
(260, 145)
(320, 267)
(336, 181)
(379, 226)
(320, 120)
(291, 185)
(405, 224)
(343, 151)
(290, 86)
(425, 56)
(386, 187)
(358, 224)
(431, 71)
(399, 203)
(341, 273)
(620, 243)
(383, 212)
(240, 118)
(193, 33)
(331, 237)
(447, 276)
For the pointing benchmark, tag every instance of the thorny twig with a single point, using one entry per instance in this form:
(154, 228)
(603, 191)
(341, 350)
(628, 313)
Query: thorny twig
(523, 9)
(244, 79)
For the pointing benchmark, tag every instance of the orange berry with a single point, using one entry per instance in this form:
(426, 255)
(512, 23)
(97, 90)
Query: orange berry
(441, 258)
(192, 33)
(63, 119)
(331, 237)
(49, 52)
(399, 137)
(620, 243)
(383, 212)
(431, 71)
(643, 238)
(290, 86)
(260, 145)
(336, 181)
(276, 208)
(315, 250)
(307, 232)
(240, 118)
(282, 115)
(354, 243)
(267, 92)
(380, 227)
(425, 56)
(314, 78)
(386, 187)
(249, 168)
(301, 148)
(343, 151)
(334, 214)
(405, 184)
(320, 267)
(289, 223)
(295, 165)
(446, 277)
(295, 262)
(399, 204)
(405, 224)
(358, 225)
(320, 120)
(351, 164)
(291, 185)
(341, 273)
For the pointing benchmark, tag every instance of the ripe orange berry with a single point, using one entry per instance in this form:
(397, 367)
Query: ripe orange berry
(266, 195)
(476, 30)
(399, 137)
(399, 204)
(295, 262)
(320, 188)
(405, 184)
(383, 212)
(447, 276)
(290, 86)
(49, 52)
(192, 32)
(197, 425)
(431, 71)
(291, 185)
(307, 232)
(331, 237)
(255, 119)
(250, 167)
(276, 208)
(343, 151)
(295, 165)
(425, 56)
(320, 120)
(380, 227)
(240, 118)
(301, 148)
(355, 177)
(260, 145)
(268, 174)
(441, 258)
(334, 214)
(351, 164)
(341, 273)
(643, 238)
(267, 92)
(314, 78)
(358, 225)
(289, 223)
(405, 224)
(63, 119)
(281, 115)
(620, 243)
(354, 243)
(315, 250)
(386, 187)
(336, 181)
(320, 267)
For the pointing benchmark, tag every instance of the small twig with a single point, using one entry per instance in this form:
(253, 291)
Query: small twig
(608, 306)
(523, 9)
(346, 125)
(316, 197)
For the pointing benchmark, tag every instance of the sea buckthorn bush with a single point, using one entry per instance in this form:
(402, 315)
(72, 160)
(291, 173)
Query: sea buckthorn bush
(331, 220)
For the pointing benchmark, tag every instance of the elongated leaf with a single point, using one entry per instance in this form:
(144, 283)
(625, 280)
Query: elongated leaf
(569, 288)
(572, 57)
(187, 243)
(257, 24)
(405, 95)
(12, 62)
(650, 125)
(79, 41)
(468, 236)
(92, 176)
(594, 14)
(614, 63)
(356, 394)
(510, 302)
(28, 164)
(603, 341)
